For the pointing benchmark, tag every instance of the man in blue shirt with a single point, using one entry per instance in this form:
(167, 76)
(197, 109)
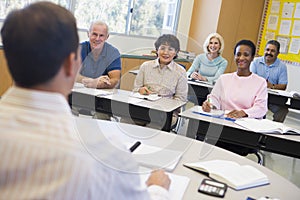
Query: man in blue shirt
(101, 62)
(275, 73)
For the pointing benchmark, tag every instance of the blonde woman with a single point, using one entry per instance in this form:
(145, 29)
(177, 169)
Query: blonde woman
(209, 65)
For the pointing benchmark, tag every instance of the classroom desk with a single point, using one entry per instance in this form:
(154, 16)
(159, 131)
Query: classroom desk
(200, 90)
(212, 130)
(159, 113)
(194, 151)
(283, 98)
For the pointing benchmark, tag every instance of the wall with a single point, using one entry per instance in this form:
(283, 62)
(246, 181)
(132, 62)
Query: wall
(204, 21)
(239, 19)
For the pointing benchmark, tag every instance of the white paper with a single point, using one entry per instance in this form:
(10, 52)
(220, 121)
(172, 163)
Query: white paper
(285, 27)
(92, 91)
(272, 23)
(297, 11)
(150, 97)
(295, 46)
(265, 126)
(269, 36)
(275, 6)
(284, 44)
(156, 157)
(287, 10)
(296, 28)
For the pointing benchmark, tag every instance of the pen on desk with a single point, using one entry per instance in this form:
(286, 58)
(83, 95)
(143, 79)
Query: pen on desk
(131, 149)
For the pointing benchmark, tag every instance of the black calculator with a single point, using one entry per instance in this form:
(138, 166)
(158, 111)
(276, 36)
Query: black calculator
(213, 188)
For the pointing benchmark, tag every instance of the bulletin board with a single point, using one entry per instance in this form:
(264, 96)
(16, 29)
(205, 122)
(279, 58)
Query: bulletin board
(281, 21)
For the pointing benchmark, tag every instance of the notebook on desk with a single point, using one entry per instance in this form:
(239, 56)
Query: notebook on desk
(237, 176)
(266, 126)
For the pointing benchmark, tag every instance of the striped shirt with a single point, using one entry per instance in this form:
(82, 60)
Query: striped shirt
(44, 157)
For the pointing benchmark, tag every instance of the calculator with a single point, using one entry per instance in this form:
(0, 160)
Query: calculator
(213, 188)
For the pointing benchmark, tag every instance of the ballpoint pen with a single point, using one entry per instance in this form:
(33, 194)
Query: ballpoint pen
(138, 143)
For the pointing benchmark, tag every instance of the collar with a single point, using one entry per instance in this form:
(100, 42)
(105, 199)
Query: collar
(262, 61)
(170, 66)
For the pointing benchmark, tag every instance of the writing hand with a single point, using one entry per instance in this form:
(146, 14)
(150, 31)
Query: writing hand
(145, 90)
(207, 106)
(160, 178)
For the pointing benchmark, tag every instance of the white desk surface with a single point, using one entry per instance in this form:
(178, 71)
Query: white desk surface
(201, 83)
(197, 151)
(190, 115)
(163, 104)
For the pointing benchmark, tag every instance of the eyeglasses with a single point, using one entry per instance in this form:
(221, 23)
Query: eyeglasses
(167, 48)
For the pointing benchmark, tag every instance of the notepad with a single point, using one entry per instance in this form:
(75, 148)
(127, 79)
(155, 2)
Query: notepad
(237, 176)
(150, 97)
(156, 157)
(266, 126)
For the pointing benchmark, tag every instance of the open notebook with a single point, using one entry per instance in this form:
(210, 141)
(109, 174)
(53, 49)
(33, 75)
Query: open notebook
(236, 176)
(266, 126)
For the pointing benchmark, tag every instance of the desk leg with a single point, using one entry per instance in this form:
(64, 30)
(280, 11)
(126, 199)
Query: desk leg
(192, 128)
(168, 123)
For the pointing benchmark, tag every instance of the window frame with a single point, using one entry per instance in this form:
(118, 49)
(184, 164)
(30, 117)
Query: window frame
(71, 7)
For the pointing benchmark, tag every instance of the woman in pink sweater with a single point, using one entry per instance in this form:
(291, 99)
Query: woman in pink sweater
(243, 93)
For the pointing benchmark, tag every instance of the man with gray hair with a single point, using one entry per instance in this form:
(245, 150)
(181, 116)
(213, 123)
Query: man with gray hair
(101, 62)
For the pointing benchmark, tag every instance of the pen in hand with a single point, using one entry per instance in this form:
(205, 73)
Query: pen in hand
(133, 147)
(210, 103)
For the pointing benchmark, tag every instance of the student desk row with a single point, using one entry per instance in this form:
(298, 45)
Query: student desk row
(192, 151)
(119, 103)
(211, 130)
(199, 91)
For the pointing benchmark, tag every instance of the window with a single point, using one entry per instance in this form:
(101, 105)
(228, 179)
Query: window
(148, 18)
